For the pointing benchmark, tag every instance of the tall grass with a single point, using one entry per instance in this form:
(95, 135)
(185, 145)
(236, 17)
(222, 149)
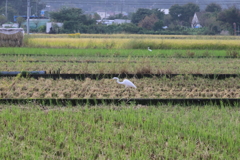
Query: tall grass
(123, 132)
(114, 52)
(132, 36)
(133, 43)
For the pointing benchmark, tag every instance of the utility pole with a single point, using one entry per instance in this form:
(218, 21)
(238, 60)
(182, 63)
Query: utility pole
(6, 10)
(28, 14)
(37, 8)
(234, 28)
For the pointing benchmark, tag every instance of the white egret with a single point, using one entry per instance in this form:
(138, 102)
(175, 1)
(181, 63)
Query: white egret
(125, 82)
(149, 49)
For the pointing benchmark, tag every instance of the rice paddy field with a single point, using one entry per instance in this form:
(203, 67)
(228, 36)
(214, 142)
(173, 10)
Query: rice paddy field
(119, 132)
(124, 131)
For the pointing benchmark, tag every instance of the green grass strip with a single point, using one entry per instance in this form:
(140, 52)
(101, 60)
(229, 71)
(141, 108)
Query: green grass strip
(119, 132)
(113, 52)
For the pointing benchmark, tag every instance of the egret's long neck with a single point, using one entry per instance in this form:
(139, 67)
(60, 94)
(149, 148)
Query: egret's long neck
(119, 82)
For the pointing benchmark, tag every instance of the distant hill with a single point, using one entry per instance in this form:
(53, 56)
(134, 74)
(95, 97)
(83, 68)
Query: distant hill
(133, 5)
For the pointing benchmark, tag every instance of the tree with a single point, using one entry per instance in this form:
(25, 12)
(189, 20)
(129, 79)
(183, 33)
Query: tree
(117, 16)
(68, 14)
(167, 20)
(176, 12)
(230, 16)
(184, 13)
(158, 13)
(188, 11)
(20, 20)
(96, 16)
(130, 28)
(213, 25)
(140, 15)
(36, 22)
(158, 25)
(148, 22)
(73, 19)
(3, 19)
(19, 7)
(10, 14)
(210, 23)
(37, 6)
(213, 7)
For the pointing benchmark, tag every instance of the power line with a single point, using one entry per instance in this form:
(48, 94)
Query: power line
(6, 12)
(136, 3)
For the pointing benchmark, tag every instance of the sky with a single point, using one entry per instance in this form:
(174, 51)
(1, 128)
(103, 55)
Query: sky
(132, 5)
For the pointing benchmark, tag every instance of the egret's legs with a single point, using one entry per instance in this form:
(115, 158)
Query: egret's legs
(128, 99)
(121, 94)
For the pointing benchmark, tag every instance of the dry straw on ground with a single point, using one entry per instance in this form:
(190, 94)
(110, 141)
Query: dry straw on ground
(11, 37)
(178, 87)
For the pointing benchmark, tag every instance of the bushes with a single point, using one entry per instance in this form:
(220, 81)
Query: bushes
(42, 29)
(69, 27)
(74, 27)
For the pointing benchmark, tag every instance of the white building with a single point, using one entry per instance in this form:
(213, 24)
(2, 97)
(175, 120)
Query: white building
(103, 14)
(10, 25)
(120, 21)
(198, 19)
(165, 11)
(115, 21)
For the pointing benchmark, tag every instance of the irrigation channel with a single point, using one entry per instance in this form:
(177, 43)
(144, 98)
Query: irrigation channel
(75, 102)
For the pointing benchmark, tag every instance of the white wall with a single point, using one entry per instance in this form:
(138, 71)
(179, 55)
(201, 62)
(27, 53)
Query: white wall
(50, 24)
(12, 25)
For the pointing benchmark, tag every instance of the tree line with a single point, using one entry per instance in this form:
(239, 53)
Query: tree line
(143, 21)
(152, 21)
(18, 7)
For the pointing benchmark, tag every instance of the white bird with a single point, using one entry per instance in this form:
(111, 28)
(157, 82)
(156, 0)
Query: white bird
(125, 82)
(149, 49)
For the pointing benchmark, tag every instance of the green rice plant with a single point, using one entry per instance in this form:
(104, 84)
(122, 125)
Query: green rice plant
(232, 53)
(138, 36)
(190, 54)
(119, 132)
(75, 35)
(23, 61)
(62, 52)
(26, 40)
(206, 54)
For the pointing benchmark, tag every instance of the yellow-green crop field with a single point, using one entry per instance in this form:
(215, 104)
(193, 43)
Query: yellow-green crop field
(132, 36)
(119, 41)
